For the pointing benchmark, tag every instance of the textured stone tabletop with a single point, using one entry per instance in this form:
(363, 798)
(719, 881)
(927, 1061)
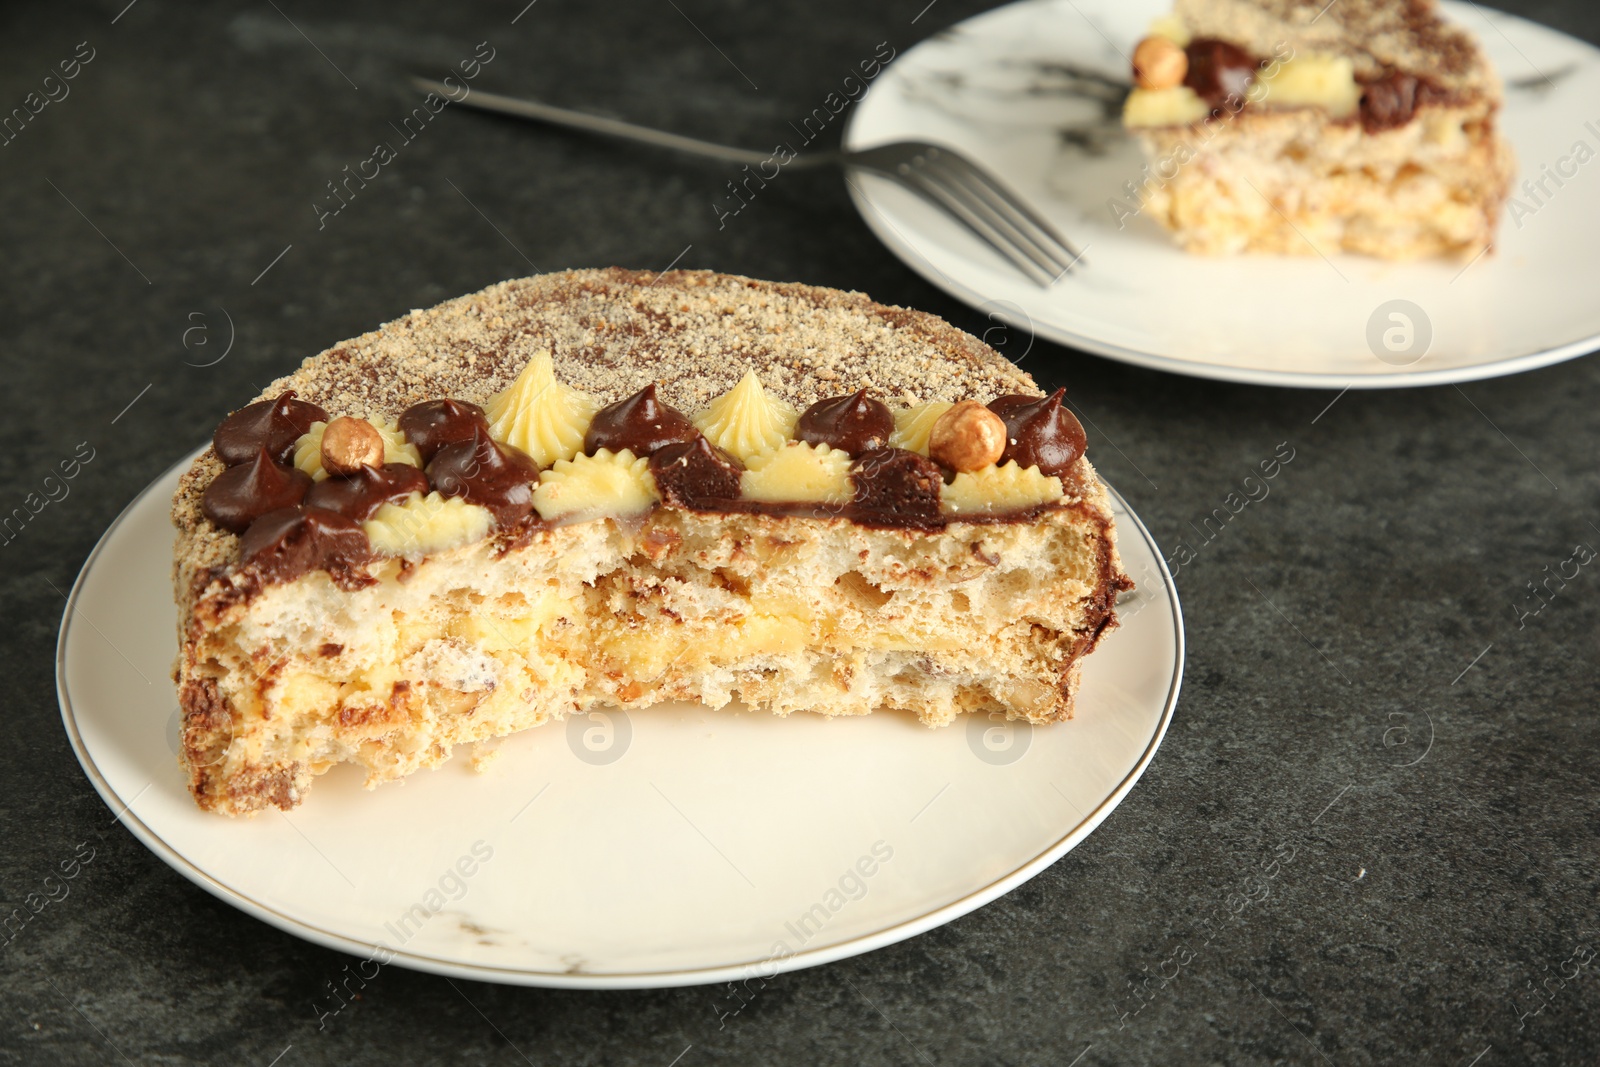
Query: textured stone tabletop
(1363, 703)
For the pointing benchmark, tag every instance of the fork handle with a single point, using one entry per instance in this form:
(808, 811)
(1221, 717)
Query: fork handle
(627, 131)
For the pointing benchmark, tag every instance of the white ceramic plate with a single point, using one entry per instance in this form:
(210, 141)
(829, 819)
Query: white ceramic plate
(671, 847)
(994, 88)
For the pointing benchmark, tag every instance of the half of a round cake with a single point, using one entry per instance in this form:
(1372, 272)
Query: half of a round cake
(610, 488)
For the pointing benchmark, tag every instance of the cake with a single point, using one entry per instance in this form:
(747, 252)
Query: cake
(1302, 126)
(608, 489)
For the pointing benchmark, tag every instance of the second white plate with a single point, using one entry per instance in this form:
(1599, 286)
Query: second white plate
(998, 88)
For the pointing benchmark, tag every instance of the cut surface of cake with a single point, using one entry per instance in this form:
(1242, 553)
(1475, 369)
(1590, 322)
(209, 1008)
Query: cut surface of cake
(1300, 127)
(608, 489)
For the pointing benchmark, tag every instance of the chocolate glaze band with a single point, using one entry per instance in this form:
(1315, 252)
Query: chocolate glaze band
(696, 476)
(895, 487)
(282, 545)
(872, 519)
(1220, 70)
(291, 525)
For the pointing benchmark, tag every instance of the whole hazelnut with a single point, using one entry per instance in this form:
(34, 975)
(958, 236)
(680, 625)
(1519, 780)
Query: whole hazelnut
(1159, 64)
(349, 444)
(968, 437)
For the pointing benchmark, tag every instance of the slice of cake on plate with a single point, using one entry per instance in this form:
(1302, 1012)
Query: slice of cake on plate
(1300, 126)
(609, 489)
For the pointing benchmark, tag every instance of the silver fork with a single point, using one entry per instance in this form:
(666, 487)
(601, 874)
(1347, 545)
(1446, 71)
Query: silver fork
(942, 176)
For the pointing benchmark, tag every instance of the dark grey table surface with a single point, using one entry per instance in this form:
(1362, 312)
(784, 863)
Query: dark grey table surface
(1362, 615)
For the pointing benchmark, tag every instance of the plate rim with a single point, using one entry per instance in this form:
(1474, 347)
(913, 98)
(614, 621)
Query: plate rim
(862, 943)
(975, 298)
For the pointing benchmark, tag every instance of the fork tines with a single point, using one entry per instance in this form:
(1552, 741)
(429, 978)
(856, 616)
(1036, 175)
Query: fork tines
(991, 211)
